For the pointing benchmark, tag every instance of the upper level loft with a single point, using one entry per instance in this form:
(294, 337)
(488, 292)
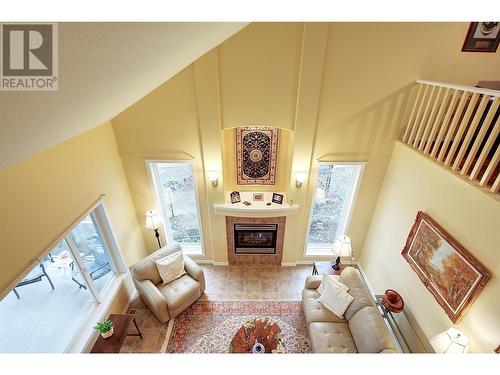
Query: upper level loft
(458, 126)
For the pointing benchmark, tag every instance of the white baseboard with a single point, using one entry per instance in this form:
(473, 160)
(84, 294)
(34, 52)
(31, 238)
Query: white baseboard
(132, 297)
(288, 264)
(305, 262)
(220, 263)
(203, 261)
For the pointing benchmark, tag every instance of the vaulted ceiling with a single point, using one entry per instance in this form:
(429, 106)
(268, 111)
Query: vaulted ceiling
(103, 69)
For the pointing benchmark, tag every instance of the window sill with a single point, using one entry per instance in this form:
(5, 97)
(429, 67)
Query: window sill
(88, 335)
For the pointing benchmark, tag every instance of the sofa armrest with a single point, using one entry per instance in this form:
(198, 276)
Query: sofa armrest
(195, 271)
(153, 298)
(312, 282)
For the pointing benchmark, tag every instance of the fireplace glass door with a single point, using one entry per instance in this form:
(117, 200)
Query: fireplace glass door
(255, 238)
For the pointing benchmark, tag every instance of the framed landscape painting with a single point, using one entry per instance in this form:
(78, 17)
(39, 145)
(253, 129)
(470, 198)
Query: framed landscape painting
(453, 276)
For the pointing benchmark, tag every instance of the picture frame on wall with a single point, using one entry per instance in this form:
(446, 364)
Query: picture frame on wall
(482, 37)
(450, 272)
(235, 197)
(277, 198)
(258, 197)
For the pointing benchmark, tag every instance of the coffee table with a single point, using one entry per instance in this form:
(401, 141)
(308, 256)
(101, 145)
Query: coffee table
(260, 330)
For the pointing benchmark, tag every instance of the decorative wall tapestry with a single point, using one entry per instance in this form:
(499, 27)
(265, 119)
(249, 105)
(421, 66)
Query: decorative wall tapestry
(453, 276)
(256, 155)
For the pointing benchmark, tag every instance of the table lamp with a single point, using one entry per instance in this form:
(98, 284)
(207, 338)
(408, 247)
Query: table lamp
(450, 341)
(154, 222)
(341, 248)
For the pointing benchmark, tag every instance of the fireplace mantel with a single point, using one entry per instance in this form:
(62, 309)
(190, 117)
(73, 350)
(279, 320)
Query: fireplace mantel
(257, 209)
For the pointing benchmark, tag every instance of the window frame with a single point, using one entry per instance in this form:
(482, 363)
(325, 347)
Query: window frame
(154, 177)
(325, 252)
(85, 335)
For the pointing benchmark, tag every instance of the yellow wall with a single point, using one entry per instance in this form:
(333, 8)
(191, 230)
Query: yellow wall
(415, 183)
(43, 195)
(259, 73)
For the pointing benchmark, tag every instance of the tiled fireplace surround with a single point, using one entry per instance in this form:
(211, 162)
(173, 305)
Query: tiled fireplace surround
(250, 259)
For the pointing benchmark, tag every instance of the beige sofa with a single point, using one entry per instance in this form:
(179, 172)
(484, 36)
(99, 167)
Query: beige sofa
(361, 330)
(167, 301)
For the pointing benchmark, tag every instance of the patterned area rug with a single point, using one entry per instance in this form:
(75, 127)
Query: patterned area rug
(209, 326)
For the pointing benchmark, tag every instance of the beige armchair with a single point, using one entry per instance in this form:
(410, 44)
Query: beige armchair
(167, 301)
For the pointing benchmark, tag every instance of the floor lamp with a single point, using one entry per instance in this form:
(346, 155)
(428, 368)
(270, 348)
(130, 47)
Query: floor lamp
(154, 222)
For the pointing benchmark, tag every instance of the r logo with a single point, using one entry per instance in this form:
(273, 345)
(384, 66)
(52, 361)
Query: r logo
(29, 57)
(27, 50)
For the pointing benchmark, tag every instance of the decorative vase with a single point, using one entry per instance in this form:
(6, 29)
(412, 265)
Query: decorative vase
(393, 301)
(107, 334)
(258, 348)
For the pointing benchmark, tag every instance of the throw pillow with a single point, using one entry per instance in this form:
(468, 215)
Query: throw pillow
(335, 299)
(331, 278)
(171, 267)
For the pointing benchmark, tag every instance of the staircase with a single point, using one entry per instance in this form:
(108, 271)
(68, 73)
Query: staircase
(458, 126)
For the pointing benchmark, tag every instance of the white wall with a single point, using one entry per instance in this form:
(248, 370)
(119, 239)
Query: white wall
(415, 183)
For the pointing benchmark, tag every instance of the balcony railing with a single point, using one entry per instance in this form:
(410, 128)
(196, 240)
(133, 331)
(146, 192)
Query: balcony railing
(458, 126)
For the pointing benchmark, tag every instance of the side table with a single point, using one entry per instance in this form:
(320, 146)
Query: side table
(120, 326)
(319, 268)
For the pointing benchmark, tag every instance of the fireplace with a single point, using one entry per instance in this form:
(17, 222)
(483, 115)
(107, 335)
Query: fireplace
(255, 238)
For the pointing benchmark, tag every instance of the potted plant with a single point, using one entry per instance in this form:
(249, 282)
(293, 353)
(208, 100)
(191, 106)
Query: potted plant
(105, 328)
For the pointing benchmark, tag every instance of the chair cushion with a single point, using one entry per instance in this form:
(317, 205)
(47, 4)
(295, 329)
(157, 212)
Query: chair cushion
(369, 332)
(331, 338)
(180, 294)
(145, 269)
(315, 311)
(171, 267)
(350, 276)
(335, 298)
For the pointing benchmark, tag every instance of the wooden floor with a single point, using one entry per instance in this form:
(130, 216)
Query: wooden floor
(223, 283)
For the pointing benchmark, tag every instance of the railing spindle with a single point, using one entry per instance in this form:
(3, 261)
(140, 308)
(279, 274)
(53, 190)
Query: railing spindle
(461, 129)
(437, 121)
(413, 114)
(445, 123)
(472, 129)
(427, 127)
(487, 148)
(418, 116)
(453, 126)
(490, 169)
(423, 120)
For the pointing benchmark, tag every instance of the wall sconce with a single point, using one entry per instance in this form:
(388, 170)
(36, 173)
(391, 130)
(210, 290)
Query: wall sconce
(300, 177)
(213, 176)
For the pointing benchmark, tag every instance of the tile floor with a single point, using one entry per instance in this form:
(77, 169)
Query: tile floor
(223, 283)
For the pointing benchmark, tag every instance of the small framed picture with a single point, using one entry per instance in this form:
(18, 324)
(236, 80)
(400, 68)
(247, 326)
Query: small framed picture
(235, 197)
(482, 37)
(258, 197)
(277, 198)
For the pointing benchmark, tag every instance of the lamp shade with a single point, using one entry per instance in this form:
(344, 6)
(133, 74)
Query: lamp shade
(300, 176)
(450, 341)
(342, 247)
(213, 175)
(153, 220)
